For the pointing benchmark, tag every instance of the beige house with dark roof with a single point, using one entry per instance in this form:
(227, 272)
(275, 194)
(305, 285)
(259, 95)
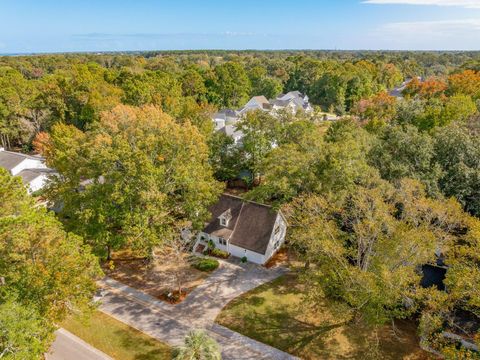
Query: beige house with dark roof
(243, 229)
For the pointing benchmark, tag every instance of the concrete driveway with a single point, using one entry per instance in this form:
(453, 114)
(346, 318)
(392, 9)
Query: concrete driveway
(170, 323)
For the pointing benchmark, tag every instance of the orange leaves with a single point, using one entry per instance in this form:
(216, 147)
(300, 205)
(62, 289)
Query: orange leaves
(41, 143)
(378, 107)
(467, 82)
(429, 88)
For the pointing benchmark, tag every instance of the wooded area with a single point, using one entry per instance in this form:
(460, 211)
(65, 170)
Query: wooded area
(371, 198)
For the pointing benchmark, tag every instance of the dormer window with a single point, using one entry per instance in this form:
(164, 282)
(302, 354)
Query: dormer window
(225, 218)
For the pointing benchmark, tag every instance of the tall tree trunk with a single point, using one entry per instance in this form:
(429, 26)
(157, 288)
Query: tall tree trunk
(109, 253)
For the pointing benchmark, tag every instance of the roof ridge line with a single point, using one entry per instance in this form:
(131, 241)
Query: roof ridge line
(236, 222)
(248, 201)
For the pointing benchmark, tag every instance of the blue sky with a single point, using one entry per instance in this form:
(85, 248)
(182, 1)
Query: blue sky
(109, 25)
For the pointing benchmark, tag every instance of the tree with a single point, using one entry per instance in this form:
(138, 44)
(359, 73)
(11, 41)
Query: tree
(45, 272)
(368, 245)
(289, 169)
(193, 85)
(232, 84)
(330, 92)
(260, 132)
(23, 333)
(457, 108)
(377, 110)
(224, 157)
(457, 150)
(466, 82)
(363, 254)
(198, 346)
(427, 89)
(132, 180)
(86, 92)
(405, 152)
(14, 92)
(262, 84)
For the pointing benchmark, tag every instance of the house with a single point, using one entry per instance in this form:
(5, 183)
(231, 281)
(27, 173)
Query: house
(244, 229)
(256, 103)
(32, 169)
(234, 133)
(294, 101)
(225, 117)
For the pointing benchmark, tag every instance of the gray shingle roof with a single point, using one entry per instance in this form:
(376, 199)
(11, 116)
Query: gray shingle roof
(250, 227)
(28, 175)
(8, 159)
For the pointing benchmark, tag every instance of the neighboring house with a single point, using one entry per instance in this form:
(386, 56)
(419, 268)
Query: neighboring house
(234, 133)
(256, 103)
(243, 229)
(225, 117)
(31, 169)
(294, 101)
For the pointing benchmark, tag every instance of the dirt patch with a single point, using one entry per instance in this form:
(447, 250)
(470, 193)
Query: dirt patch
(156, 277)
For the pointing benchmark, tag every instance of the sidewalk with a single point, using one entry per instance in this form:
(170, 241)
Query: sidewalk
(170, 323)
(68, 346)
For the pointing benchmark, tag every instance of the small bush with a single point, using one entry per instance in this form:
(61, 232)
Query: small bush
(220, 254)
(244, 259)
(206, 265)
(172, 297)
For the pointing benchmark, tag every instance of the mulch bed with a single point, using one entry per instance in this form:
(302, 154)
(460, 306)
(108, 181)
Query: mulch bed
(280, 258)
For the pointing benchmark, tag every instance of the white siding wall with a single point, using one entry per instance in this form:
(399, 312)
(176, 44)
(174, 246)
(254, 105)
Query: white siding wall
(37, 183)
(280, 237)
(215, 240)
(251, 256)
(219, 123)
(28, 164)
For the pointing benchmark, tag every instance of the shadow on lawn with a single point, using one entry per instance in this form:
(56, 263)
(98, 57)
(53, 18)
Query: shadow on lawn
(146, 349)
(280, 325)
(276, 314)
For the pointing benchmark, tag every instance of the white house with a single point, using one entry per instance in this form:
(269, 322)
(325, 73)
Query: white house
(32, 169)
(294, 101)
(243, 229)
(256, 103)
(234, 133)
(225, 117)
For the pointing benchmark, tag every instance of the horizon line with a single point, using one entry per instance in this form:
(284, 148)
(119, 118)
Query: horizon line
(100, 52)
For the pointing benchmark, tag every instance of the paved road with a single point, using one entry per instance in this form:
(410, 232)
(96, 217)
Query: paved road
(69, 347)
(170, 323)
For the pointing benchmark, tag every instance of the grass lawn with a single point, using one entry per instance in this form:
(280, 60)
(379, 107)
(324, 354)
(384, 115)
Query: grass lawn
(116, 339)
(275, 314)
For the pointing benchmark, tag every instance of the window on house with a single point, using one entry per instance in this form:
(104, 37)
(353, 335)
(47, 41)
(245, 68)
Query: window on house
(223, 222)
(222, 241)
(276, 245)
(277, 230)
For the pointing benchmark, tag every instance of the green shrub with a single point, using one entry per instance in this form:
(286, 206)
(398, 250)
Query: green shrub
(244, 259)
(206, 265)
(219, 253)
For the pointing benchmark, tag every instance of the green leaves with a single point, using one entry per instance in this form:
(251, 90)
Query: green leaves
(45, 270)
(133, 179)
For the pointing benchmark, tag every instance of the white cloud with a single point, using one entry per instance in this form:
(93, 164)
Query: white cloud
(437, 28)
(423, 35)
(472, 4)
